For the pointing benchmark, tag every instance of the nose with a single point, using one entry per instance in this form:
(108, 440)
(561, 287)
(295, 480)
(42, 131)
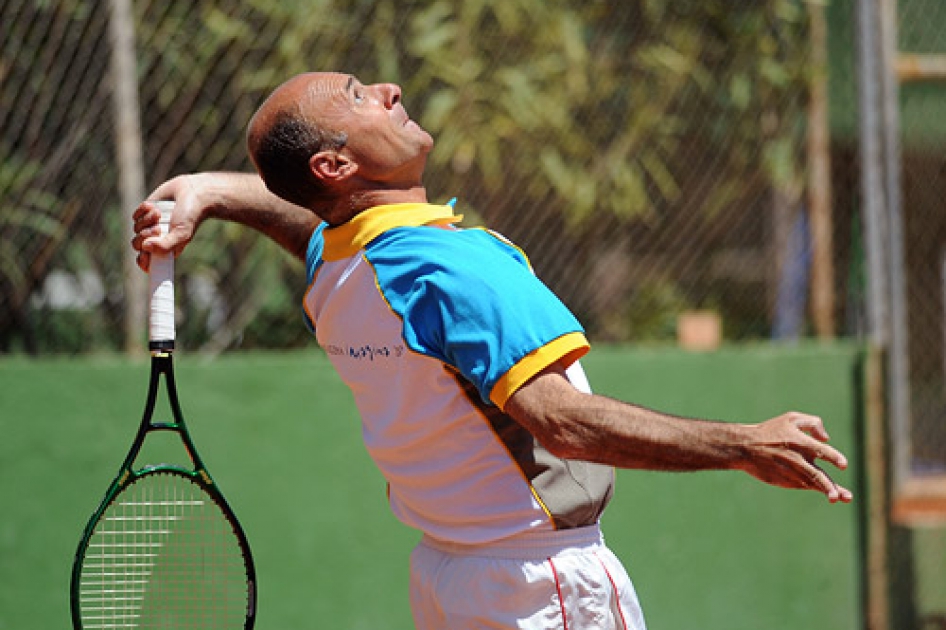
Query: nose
(391, 94)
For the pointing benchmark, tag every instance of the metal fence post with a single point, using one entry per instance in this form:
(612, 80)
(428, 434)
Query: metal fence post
(899, 362)
(872, 192)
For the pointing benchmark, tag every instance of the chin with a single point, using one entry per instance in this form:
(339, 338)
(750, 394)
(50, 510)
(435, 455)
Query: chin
(428, 141)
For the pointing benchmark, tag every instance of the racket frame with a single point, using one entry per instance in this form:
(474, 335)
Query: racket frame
(162, 365)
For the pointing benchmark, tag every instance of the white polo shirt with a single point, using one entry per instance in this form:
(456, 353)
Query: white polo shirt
(433, 328)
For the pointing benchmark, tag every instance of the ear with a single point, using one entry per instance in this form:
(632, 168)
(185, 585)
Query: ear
(331, 166)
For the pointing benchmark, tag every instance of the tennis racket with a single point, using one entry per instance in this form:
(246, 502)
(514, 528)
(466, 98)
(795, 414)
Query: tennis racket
(163, 549)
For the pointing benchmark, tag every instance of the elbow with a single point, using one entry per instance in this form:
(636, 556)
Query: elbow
(565, 440)
(567, 450)
(552, 410)
(557, 445)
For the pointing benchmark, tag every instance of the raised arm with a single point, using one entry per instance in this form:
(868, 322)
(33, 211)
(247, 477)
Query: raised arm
(238, 197)
(574, 425)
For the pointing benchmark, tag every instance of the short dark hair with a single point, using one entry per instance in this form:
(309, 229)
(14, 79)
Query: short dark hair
(282, 154)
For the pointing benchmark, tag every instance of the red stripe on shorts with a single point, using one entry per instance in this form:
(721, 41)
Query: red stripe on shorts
(614, 587)
(561, 600)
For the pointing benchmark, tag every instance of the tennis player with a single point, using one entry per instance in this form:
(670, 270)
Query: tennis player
(464, 367)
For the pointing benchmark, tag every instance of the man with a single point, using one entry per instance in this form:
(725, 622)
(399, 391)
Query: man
(464, 367)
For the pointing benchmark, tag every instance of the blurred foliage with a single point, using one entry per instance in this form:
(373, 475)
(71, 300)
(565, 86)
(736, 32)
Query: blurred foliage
(34, 217)
(528, 78)
(55, 157)
(653, 309)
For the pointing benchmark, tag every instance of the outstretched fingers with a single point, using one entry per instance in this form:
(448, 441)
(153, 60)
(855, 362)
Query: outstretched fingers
(817, 447)
(819, 480)
(814, 447)
(789, 448)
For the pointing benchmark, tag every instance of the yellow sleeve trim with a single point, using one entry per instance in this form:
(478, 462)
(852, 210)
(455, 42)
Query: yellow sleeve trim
(567, 349)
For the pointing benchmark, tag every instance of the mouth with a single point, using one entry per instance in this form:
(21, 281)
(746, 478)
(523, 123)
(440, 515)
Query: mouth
(407, 117)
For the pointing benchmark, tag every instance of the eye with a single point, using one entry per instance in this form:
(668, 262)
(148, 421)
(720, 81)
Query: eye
(359, 98)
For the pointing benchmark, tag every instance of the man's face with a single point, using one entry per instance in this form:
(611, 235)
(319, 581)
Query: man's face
(382, 139)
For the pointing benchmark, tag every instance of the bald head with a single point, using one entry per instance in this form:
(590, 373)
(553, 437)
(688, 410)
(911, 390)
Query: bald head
(286, 132)
(325, 140)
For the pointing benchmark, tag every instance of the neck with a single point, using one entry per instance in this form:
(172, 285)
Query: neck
(343, 208)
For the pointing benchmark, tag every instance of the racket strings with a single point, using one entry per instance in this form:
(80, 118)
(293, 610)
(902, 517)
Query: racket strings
(163, 555)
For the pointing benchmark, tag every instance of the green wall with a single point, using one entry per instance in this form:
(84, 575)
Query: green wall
(279, 433)
(719, 549)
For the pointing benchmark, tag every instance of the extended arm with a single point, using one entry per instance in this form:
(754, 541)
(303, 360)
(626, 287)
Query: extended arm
(237, 197)
(574, 425)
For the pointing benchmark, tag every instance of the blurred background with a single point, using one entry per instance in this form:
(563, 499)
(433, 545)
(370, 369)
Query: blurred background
(705, 174)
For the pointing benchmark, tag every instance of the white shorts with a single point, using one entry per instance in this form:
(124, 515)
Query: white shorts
(565, 580)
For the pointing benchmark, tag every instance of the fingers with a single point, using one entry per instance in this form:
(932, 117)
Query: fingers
(793, 443)
(817, 447)
(170, 189)
(811, 425)
(145, 219)
(795, 472)
(149, 238)
(821, 481)
(144, 261)
(146, 228)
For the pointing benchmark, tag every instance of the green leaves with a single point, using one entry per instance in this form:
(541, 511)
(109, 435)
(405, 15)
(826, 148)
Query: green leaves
(595, 102)
(33, 217)
(596, 117)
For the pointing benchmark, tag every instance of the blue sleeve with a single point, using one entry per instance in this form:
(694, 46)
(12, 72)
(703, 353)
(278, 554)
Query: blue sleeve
(468, 299)
(313, 260)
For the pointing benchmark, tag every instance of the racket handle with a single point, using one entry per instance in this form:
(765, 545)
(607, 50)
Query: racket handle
(161, 280)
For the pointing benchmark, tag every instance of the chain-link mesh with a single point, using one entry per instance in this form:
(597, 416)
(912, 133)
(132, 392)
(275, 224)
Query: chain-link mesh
(55, 184)
(922, 107)
(922, 135)
(653, 157)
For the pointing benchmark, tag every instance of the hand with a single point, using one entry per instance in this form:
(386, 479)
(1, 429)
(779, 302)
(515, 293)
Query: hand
(189, 210)
(783, 451)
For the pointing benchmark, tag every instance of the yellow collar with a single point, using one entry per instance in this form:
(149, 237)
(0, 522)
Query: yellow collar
(347, 239)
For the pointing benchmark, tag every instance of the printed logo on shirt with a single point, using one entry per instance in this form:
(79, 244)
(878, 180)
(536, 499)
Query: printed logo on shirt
(366, 352)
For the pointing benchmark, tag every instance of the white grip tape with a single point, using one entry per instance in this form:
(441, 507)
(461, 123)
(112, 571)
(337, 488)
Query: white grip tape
(161, 278)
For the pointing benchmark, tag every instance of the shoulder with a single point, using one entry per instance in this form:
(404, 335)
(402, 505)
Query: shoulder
(472, 253)
(450, 267)
(463, 280)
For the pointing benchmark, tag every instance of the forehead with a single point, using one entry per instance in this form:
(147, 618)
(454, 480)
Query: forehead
(324, 97)
(328, 84)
